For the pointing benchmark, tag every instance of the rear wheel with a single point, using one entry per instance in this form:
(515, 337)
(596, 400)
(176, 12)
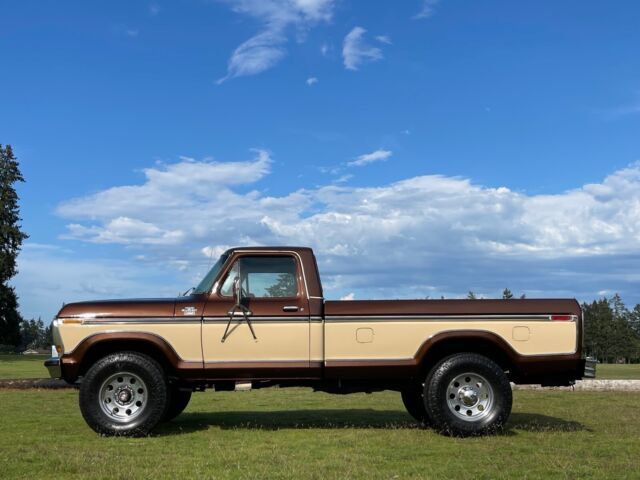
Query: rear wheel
(467, 394)
(178, 401)
(124, 393)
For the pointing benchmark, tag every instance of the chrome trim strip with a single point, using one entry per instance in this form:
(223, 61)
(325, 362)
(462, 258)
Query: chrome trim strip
(188, 320)
(265, 362)
(140, 321)
(368, 360)
(435, 318)
(257, 319)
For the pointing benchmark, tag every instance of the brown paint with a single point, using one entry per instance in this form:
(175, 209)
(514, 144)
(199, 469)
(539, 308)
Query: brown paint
(154, 307)
(451, 307)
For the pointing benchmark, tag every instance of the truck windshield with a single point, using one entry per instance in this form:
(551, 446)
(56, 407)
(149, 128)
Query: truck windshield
(207, 282)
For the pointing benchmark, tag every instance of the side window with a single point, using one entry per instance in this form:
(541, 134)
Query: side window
(227, 287)
(263, 277)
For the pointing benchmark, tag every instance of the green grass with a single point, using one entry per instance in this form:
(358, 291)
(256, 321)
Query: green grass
(618, 372)
(22, 366)
(294, 433)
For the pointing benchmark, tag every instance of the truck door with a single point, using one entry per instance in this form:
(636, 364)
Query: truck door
(269, 336)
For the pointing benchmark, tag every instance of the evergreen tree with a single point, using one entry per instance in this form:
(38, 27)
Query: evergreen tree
(506, 294)
(609, 335)
(471, 296)
(284, 287)
(634, 319)
(34, 335)
(11, 238)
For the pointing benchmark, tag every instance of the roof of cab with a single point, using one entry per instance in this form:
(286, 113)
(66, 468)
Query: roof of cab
(270, 249)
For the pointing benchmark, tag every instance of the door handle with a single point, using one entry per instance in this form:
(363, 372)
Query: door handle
(290, 308)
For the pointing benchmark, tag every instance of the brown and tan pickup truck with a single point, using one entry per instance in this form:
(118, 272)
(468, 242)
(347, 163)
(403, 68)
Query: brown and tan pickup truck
(259, 317)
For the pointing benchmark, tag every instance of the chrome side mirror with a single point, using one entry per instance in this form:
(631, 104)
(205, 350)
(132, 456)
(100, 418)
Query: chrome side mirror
(237, 290)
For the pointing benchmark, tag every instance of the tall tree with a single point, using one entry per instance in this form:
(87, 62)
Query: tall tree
(11, 238)
(284, 287)
(507, 294)
(609, 335)
(634, 319)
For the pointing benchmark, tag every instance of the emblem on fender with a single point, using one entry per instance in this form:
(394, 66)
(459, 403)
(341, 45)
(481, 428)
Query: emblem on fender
(189, 310)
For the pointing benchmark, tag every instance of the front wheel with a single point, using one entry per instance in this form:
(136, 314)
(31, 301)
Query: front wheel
(124, 393)
(467, 394)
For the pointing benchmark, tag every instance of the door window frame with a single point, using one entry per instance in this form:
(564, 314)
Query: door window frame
(300, 281)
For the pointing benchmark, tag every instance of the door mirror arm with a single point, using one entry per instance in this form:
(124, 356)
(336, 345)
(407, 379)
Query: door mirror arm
(240, 308)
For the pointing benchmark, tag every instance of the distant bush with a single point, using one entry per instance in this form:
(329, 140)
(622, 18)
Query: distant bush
(5, 349)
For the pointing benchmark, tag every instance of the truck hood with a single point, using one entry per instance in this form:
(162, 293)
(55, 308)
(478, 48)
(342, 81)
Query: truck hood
(138, 307)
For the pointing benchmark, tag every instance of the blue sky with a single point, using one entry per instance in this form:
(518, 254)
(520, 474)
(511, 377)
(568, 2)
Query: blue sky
(423, 148)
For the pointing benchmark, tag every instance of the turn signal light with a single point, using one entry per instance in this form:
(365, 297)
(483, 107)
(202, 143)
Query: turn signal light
(561, 318)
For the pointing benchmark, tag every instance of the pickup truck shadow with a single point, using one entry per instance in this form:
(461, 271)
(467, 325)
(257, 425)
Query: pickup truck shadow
(337, 419)
(534, 422)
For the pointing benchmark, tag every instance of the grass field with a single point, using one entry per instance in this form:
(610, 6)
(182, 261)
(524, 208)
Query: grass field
(31, 366)
(618, 372)
(294, 433)
(22, 366)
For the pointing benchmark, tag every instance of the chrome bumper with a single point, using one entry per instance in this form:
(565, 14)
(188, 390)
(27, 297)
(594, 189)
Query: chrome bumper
(53, 365)
(590, 368)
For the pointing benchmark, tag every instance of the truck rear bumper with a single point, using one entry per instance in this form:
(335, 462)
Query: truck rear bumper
(53, 365)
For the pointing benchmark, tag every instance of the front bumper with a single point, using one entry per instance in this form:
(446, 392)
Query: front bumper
(53, 365)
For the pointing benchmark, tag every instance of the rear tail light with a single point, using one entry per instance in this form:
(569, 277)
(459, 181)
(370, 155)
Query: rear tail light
(562, 318)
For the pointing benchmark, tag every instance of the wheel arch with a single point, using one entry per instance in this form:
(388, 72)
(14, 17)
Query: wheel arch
(99, 345)
(482, 342)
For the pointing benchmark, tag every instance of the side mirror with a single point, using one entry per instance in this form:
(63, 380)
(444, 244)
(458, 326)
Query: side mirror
(237, 290)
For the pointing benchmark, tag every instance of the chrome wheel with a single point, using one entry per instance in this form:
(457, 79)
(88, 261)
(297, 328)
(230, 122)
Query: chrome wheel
(123, 397)
(470, 397)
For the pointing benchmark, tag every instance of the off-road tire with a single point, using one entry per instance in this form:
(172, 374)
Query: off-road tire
(440, 385)
(135, 365)
(178, 401)
(413, 400)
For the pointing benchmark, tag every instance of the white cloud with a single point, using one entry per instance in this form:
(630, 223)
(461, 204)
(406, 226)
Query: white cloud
(428, 235)
(154, 9)
(427, 10)
(343, 178)
(384, 39)
(265, 49)
(375, 156)
(355, 50)
(324, 49)
(348, 296)
(312, 81)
